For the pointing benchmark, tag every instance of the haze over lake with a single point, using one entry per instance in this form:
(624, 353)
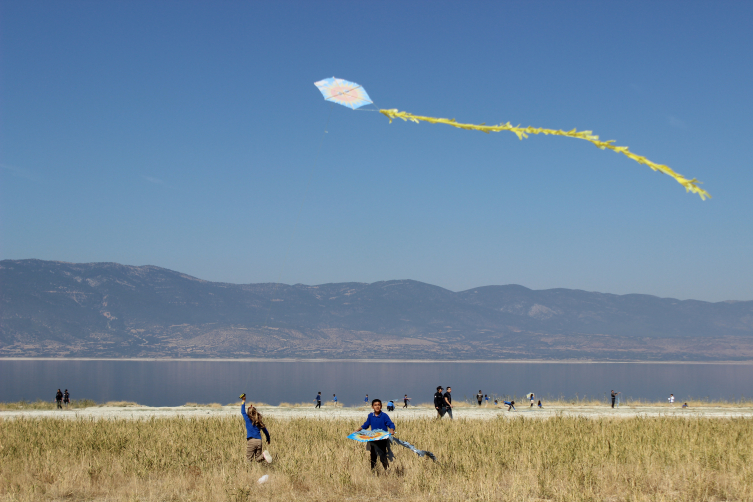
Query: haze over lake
(176, 382)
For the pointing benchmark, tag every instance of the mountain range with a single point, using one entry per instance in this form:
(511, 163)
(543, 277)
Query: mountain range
(59, 309)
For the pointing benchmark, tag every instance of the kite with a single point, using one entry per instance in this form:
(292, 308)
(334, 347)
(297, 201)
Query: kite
(377, 434)
(354, 96)
(366, 436)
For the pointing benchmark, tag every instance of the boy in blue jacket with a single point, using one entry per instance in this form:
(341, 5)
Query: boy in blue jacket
(378, 420)
(254, 424)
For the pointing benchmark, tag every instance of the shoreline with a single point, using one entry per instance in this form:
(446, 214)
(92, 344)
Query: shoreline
(382, 361)
(358, 413)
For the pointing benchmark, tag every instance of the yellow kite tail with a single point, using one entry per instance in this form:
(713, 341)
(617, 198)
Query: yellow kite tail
(523, 132)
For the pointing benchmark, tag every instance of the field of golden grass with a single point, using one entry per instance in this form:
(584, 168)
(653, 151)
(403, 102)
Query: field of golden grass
(562, 458)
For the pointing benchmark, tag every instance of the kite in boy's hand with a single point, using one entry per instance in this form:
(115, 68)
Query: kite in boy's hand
(354, 96)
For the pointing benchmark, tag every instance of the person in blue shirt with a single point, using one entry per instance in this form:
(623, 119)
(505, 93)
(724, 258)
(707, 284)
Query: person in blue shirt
(318, 400)
(378, 420)
(366, 399)
(334, 398)
(510, 404)
(254, 424)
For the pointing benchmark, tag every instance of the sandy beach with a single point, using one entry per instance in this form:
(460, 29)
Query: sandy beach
(358, 413)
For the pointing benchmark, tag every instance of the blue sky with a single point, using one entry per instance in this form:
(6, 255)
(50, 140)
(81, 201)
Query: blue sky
(183, 135)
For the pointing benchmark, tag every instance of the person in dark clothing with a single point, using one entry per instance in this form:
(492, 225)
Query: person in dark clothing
(318, 400)
(66, 399)
(479, 397)
(448, 401)
(380, 448)
(254, 425)
(439, 402)
(59, 399)
(614, 396)
(405, 401)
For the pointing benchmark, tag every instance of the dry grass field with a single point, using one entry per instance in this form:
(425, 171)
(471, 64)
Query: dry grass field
(202, 459)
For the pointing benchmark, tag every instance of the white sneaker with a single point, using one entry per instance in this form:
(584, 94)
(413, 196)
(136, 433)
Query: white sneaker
(263, 479)
(267, 456)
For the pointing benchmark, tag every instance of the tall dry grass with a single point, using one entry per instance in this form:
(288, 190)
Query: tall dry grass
(505, 459)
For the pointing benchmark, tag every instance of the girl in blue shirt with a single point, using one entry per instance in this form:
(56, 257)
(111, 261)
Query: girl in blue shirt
(378, 420)
(254, 425)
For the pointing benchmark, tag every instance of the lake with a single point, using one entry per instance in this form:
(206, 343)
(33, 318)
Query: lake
(176, 382)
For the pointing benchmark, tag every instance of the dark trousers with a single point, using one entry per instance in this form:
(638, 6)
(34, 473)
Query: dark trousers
(318, 404)
(612, 402)
(406, 403)
(60, 405)
(379, 449)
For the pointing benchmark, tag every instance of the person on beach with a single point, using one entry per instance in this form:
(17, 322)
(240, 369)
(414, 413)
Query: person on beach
(334, 399)
(495, 402)
(59, 399)
(532, 398)
(405, 401)
(254, 424)
(380, 448)
(671, 399)
(510, 404)
(66, 399)
(685, 405)
(486, 399)
(448, 401)
(540, 404)
(614, 396)
(439, 402)
(366, 399)
(390, 405)
(479, 397)
(318, 400)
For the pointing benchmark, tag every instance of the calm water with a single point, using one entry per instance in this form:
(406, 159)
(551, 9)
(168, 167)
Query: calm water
(171, 383)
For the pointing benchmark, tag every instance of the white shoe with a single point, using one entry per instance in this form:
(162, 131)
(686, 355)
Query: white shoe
(263, 479)
(267, 456)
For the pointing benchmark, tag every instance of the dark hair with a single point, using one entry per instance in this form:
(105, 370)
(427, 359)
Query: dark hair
(439, 388)
(376, 401)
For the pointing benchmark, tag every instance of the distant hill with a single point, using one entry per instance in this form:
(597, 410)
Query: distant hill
(111, 310)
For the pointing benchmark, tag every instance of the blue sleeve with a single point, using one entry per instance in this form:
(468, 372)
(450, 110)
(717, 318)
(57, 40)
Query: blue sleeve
(388, 421)
(367, 423)
(243, 409)
(264, 430)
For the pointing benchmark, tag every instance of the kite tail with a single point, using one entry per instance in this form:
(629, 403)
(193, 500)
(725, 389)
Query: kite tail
(523, 132)
(418, 452)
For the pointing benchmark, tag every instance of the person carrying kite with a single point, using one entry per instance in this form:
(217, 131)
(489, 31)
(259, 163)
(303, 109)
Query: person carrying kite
(381, 448)
(254, 425)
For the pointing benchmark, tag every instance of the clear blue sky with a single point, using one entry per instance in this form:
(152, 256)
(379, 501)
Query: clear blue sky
(182, 135)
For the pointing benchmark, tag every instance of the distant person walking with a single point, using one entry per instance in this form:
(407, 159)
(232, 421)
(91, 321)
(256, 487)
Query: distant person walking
(66, 399)
(486, 399)
(532, 398)
(334, 399)
(59, 399)
(671, 399)
(254, 427)
(439, 402)
(448, 401)
(366, 399)
(405, 401)
(318, 400)
(479, 397)
(614, 396)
